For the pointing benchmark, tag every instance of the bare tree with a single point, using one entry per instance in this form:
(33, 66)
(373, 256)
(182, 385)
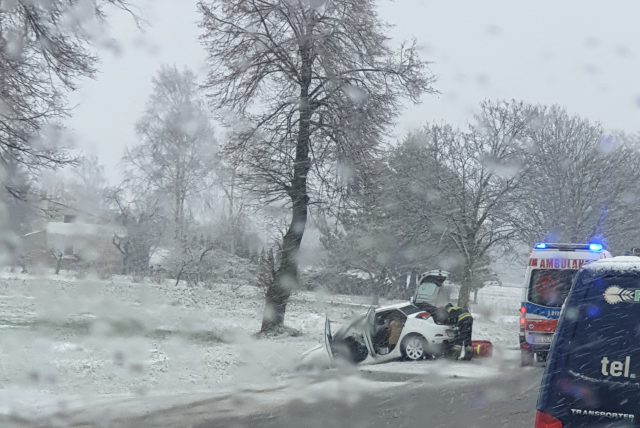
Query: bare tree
(191, 260)
(579, 177)
(266, 269)
(85, 189)
(364, 238)
(141, 223)
(412, 201)
(444, 198)
(480, 171)
(44, 50)
(618, 223)
(314, 85)
(177, 152)
(233, 217)
(58, 255)
(19, 185)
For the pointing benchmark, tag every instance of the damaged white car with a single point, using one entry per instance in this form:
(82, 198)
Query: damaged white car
(401, 331)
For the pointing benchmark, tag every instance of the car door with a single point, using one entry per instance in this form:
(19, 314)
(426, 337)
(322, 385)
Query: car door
(393, 351)
(426, 293)
(369, 328)
(430, 289)
(350, 341)
(328, 339)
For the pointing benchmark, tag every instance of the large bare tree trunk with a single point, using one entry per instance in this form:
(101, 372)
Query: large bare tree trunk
(465, 289)
(286, 279)
(378, 283)
(278, 293)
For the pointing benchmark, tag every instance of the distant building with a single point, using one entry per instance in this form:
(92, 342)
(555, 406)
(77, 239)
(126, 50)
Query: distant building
(75, 238)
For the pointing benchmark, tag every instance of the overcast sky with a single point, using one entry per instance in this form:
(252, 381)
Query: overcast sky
(582, 54)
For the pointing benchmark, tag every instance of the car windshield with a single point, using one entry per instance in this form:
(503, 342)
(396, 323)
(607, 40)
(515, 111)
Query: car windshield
(549, 287)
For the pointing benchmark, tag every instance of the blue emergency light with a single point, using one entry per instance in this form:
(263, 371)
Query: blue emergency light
(595, 247)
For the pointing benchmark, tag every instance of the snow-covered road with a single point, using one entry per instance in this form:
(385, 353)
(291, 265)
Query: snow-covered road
(340, 400)
(508, 401)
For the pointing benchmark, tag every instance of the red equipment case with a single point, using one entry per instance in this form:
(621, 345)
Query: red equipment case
(482, 348)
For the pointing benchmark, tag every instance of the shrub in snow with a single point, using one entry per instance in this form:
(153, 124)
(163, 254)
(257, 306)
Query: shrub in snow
(266, 269)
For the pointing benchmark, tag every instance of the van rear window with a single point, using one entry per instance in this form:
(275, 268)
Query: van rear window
(549, 287)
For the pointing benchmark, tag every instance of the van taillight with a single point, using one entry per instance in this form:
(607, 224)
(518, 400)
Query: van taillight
(523, 313)
(545, 420)
(423, 315)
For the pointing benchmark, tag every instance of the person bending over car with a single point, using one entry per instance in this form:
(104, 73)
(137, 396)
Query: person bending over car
(461, 317)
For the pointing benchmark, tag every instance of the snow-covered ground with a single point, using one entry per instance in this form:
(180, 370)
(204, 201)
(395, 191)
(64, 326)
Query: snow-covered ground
(64, 341)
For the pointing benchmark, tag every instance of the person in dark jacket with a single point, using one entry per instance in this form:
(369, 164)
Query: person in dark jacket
(461, 317)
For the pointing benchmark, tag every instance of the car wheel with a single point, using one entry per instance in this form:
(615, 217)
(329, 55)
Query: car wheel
(413, 347)
(526, 358)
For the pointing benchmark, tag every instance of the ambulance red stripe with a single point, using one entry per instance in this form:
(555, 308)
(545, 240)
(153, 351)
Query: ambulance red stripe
(541, 326)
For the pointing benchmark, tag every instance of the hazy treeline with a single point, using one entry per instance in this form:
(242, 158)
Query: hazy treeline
(520, 173)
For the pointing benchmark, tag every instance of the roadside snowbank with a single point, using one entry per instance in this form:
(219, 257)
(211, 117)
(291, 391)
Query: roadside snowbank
(66, 337)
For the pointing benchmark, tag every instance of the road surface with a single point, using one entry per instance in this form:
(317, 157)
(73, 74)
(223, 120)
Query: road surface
(507, 402)
(359, 400)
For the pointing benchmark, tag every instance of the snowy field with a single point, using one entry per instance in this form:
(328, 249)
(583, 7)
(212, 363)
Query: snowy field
(65, 340)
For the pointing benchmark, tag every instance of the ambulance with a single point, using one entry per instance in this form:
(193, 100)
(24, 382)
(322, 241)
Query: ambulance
(548, 278)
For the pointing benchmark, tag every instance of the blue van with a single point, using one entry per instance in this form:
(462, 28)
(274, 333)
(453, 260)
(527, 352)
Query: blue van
(592, 377)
